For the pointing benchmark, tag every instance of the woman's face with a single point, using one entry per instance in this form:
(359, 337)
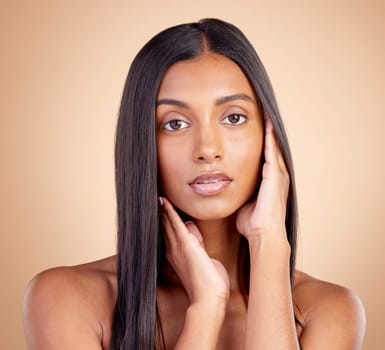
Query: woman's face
(209, 137)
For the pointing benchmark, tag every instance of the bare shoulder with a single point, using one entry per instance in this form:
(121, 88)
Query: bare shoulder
(72, 305)
(332, 316)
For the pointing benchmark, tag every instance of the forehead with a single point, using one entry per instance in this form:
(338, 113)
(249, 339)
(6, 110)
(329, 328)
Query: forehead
(210, 73)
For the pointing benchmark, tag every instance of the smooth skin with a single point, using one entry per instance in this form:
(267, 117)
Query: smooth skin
(207, 121)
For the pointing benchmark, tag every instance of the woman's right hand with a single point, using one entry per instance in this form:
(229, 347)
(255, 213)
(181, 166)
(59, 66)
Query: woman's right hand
(203, 278)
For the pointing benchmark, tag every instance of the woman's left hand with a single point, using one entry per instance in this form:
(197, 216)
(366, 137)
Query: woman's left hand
(266, 215)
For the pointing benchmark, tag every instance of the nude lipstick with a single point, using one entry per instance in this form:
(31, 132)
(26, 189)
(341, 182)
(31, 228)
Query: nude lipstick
(210, 184)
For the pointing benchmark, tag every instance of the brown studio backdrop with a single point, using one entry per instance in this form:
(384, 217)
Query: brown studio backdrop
(62, 70)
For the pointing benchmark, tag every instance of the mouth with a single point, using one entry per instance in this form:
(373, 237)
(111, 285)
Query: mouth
(210, 184)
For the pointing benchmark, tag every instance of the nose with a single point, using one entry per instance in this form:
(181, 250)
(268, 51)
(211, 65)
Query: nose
(207, 145)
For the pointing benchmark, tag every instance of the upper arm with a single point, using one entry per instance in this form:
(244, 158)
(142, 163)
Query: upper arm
(336, 321)
(56, 314)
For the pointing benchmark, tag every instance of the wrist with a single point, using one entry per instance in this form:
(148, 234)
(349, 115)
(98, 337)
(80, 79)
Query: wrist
(276, 245)
(210, 298)
(215, 304)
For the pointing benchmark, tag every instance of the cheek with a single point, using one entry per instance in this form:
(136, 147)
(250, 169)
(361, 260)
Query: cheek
(245, 153)
(170, 167)
(248, 166)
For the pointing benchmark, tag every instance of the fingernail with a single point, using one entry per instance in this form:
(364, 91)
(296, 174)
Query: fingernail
(188, 222)
(161, 201)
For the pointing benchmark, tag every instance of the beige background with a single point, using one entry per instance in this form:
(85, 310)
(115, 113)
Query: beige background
(63, 65)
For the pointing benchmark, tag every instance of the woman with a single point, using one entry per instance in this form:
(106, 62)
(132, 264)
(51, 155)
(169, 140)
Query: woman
(207, 218)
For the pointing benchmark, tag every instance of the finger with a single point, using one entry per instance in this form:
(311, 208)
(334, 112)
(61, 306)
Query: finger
(270, 144)
(177, 225)
(193, 229)
(170, 238)
(275, 147)
(282, 164)
(276, 156)
(279, 155)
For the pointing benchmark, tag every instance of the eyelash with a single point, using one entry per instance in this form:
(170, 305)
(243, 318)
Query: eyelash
(168, 127)
(241, 117)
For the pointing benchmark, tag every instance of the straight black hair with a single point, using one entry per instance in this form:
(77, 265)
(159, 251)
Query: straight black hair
(140, 240)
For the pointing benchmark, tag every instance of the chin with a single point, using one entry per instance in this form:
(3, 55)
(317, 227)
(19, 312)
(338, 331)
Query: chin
(209, 211)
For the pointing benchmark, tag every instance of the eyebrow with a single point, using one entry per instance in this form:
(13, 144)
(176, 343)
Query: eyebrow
(219, 101)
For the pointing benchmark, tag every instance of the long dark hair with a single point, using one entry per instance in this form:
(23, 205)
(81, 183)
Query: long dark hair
(140, 242)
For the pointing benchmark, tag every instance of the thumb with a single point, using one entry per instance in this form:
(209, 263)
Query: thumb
(194, 231)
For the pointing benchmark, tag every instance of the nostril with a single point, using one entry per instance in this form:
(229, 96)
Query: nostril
(209, 157)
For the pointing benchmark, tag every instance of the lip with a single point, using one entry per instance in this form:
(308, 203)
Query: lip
(210, 184)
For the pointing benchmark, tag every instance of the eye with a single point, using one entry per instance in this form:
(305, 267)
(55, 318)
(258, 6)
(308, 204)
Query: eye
(175, 124)
(234, 119)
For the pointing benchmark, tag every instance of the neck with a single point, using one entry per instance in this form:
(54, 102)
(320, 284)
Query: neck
(221, 241)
